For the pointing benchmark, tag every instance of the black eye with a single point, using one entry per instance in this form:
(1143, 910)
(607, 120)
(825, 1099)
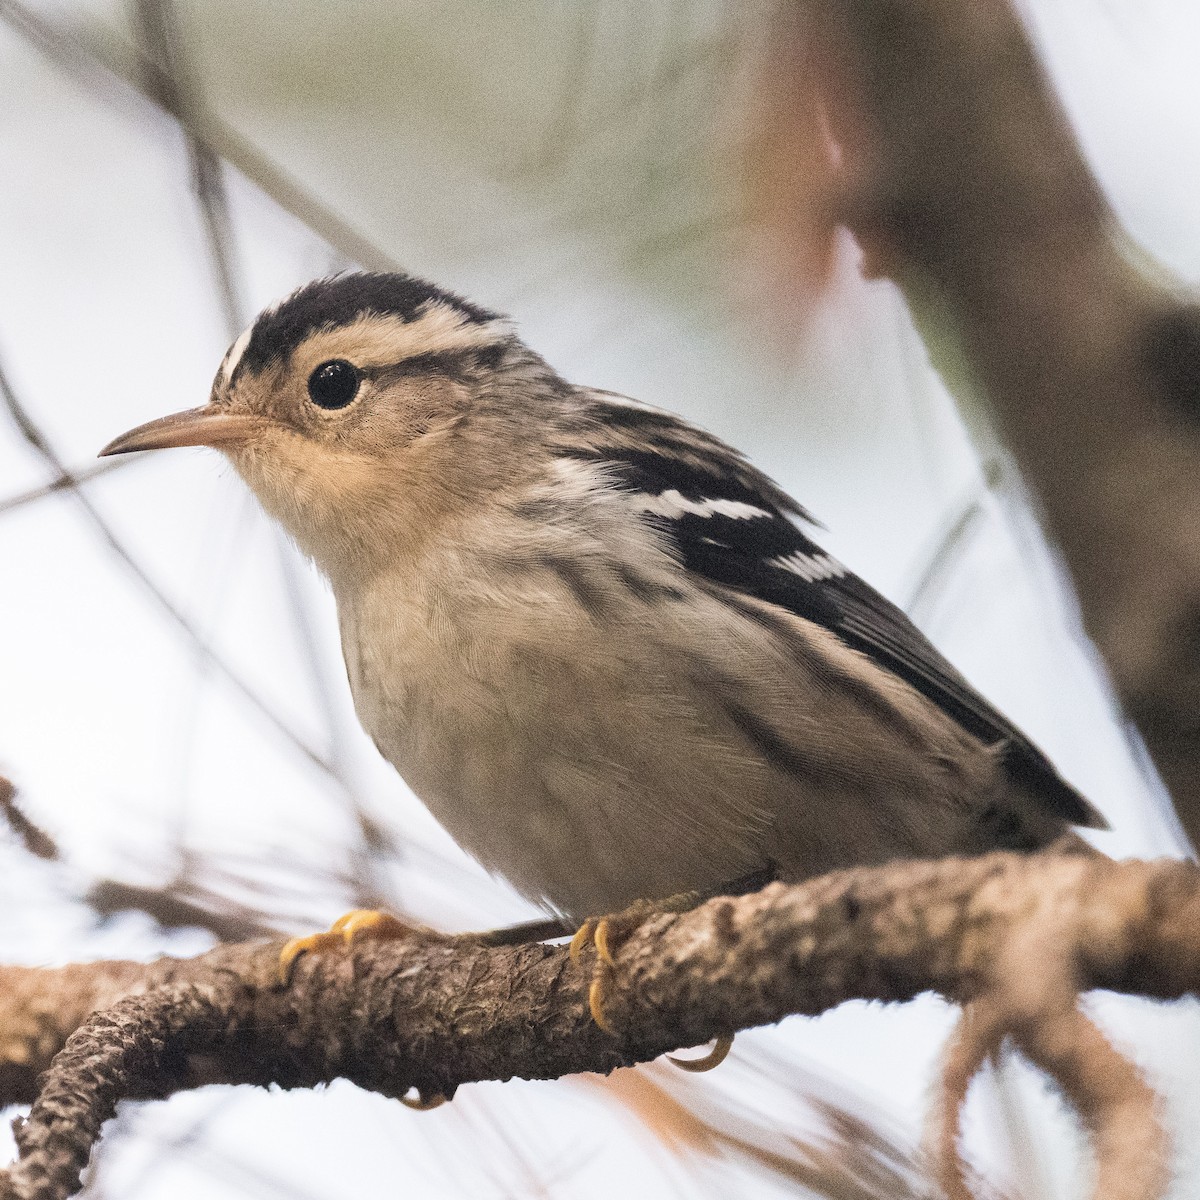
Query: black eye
(334, 384)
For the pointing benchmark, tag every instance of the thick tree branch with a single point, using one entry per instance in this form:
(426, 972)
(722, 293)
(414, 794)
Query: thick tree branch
(1017, 938)
(965, 183)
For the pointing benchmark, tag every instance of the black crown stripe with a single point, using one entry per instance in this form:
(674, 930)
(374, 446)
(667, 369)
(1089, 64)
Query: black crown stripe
(332, 303)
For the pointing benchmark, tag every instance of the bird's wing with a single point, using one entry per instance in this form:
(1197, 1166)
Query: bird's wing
(729, 523)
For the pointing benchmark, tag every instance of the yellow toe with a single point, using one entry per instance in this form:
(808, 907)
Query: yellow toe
(369, 922)
(361, 922)
(293, 949)
(599, 931)
(603, 948)
(596, 1005)
(583, 935)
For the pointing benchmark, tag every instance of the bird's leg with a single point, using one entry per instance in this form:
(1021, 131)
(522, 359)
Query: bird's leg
(543, 930)
(608, 933)
(380, 926)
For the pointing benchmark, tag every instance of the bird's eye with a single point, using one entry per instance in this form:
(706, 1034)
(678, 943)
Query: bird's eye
(334, 384)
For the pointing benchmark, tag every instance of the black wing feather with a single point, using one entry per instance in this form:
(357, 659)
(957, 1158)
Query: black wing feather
(748, 553)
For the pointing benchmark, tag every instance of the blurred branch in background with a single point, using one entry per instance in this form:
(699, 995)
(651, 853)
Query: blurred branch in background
(950, 545)
(102, 54)
(964, 182)
(36, 841)
(855, 1156)
(38, 440)
(169, 81)
(158, 68)
(64, 482)
(180, 904)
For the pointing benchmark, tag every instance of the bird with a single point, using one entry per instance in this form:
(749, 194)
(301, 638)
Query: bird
(599, 645)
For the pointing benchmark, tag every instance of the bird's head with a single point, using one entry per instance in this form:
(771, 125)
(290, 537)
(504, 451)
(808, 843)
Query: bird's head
(340, 407)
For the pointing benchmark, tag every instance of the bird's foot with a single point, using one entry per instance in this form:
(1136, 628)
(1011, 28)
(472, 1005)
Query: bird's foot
(366, 923)
(361, 923)
(608, 934)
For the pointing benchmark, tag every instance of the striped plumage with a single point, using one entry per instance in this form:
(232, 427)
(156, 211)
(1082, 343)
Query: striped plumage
(597, 643)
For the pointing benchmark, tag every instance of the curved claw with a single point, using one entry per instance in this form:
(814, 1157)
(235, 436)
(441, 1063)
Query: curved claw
(601, 938)
(596, 1005)
(423, 1104)
(714, 1058)
(583, 935)
(293, 948)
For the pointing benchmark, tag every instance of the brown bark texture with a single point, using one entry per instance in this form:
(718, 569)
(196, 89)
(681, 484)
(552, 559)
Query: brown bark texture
(1015, 938)
(965, 183)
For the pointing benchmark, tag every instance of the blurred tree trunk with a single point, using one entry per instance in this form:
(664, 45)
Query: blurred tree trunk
(964, 182)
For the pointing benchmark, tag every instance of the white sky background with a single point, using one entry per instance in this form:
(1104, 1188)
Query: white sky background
(577, 166)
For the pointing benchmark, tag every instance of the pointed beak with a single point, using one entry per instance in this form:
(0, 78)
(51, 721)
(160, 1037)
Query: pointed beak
(207, 426)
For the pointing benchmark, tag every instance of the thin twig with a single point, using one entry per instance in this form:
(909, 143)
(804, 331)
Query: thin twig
(76, 475)
(75, 55)
(36, 438)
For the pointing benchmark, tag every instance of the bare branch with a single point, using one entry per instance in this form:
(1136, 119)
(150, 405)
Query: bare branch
(1016, 937)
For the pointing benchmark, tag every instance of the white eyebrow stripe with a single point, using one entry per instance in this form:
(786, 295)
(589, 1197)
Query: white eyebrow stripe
(672, 503)
(439, 329)
(234, 355)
